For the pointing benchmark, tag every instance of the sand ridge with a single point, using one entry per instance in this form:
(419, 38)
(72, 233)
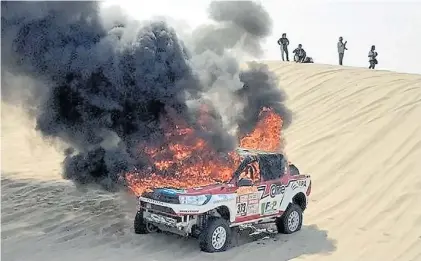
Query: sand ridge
(356, 131)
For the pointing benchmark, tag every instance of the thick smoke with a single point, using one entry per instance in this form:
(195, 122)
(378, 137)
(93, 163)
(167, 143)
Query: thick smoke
(241, 24)
(102, 82)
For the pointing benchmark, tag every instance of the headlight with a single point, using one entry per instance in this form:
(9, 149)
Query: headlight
(194, 200)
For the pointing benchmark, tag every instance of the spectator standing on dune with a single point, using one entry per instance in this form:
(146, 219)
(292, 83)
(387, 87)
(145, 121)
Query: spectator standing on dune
(341, 49)
(300, 54)
(372, 57)
(283, 43)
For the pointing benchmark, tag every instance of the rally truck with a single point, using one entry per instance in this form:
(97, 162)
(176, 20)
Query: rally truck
(265, 188)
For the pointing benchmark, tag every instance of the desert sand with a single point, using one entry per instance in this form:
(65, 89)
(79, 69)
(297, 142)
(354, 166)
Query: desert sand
(356, 131)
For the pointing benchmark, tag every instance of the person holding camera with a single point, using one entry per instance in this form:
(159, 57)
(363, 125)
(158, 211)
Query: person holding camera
(341, 49)
(372, 54)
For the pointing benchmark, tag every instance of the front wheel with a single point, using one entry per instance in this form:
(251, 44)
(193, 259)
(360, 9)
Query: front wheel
(140, 226)
(291, 221)
(216, 236)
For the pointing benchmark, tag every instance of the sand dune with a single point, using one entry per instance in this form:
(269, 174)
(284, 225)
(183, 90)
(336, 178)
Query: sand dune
(358, 132)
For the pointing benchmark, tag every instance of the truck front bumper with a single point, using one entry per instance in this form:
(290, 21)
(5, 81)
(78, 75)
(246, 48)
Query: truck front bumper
(164, 217)
(181, 226)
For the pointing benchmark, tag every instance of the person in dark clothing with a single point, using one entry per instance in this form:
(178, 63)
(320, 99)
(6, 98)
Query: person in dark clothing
(300, 54)
(372, 57)
(341, 49)
(283, 43)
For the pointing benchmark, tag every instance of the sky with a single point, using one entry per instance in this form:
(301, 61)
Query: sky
(393, 26)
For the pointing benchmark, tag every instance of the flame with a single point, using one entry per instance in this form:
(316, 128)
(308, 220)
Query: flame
(186, 160)
(267, 134)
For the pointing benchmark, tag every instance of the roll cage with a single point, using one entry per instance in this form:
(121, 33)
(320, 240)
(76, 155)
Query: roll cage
(260, 166)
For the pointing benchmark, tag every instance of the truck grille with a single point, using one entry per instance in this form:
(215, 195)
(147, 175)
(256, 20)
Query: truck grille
(161, 210)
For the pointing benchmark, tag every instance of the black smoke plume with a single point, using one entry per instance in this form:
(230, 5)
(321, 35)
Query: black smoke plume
(101, 82)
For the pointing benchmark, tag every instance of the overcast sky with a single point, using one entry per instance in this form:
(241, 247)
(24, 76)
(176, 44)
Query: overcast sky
(393, 26)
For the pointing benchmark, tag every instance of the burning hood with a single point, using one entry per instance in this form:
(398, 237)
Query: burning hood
(200, 190)
(209, 189)
(169, 191)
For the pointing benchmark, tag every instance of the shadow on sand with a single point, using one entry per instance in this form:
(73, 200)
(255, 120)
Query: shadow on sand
(273, 246)
(57, 214)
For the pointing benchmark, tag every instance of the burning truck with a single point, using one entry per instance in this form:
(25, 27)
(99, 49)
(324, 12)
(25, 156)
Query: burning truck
(208, 196)
(263, 189)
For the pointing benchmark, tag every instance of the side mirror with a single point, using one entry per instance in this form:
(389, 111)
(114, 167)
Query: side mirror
(245, 182)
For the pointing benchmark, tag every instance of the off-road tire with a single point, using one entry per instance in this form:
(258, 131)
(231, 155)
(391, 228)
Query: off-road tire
(282, 222)
(139, 224)
(205, 237)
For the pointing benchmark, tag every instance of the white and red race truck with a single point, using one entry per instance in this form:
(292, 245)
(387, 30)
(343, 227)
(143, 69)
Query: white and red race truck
(264, 189)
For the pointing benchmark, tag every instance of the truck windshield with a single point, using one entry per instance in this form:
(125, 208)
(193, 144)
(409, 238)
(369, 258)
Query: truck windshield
(246, 167)
(264, 166)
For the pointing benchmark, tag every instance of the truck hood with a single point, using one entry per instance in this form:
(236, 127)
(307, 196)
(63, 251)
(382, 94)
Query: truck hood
(210, 189)
(219, 188)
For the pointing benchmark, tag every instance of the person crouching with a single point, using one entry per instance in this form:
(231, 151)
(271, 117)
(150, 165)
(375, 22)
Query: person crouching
(300, 54)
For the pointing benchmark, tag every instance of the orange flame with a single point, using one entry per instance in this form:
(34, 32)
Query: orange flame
(187, 160)
(267, 134)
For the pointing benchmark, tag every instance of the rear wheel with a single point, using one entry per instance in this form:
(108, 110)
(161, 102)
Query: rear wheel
(291, 221)
(216, 236)
(140, 226)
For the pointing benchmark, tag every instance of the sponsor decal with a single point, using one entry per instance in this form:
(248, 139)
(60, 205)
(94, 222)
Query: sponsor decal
(156, 202)
(223, 198)
(298, 184)
(276, 189)
(219, 201)
(253, 204)
(246, 190)
(302, 183)
(261, 188)
(269, 207)
(254, 196)
(243, 198)
(189, 211)
(248, 197)
(248, 204)
(253, 201)
(253, 209)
